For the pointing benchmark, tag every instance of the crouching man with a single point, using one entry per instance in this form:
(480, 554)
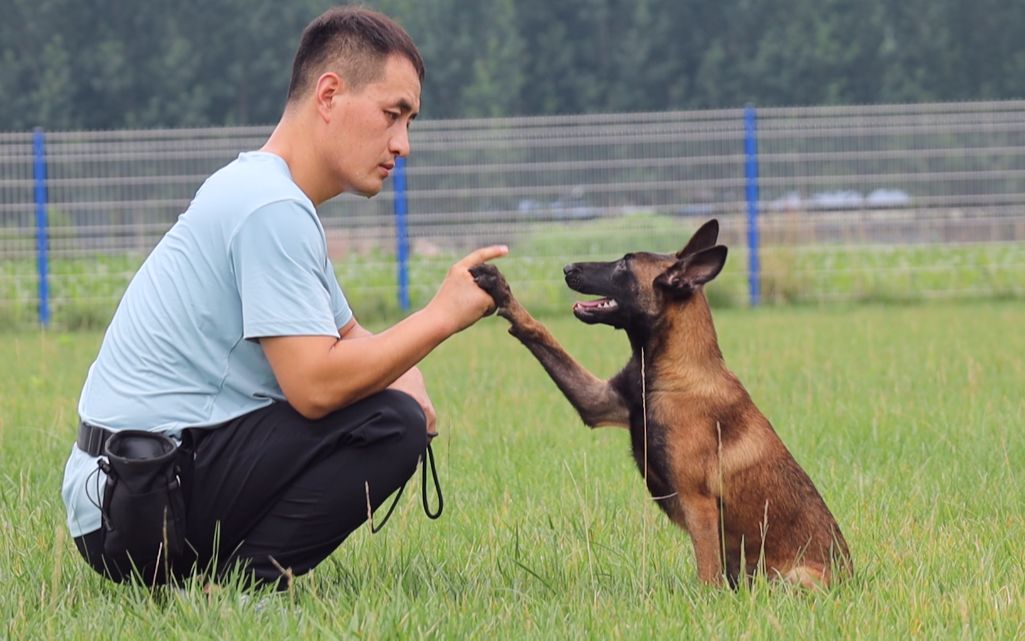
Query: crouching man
(237, 415)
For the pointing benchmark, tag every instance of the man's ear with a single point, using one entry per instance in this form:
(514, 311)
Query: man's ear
(329, 85)
(703, 238)
(691, 272)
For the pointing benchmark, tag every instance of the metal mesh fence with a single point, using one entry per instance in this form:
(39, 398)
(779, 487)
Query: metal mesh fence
(867, 202)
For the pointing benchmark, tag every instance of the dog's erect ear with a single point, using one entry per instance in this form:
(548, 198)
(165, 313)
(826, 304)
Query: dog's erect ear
(689, 273)
(703, 238)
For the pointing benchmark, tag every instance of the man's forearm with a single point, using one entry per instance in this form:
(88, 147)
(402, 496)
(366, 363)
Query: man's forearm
(319, 374)
(341, 372)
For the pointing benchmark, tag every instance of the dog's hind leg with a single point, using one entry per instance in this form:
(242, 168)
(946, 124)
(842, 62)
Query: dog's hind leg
(597, 401)
(807, 576)
(702, 522)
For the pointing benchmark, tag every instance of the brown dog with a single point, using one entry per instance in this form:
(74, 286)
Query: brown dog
(709, 457)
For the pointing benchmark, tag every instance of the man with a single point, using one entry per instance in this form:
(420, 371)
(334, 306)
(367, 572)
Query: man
(235, 339)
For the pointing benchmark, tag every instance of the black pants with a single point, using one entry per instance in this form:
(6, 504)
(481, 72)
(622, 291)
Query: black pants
(275, 493)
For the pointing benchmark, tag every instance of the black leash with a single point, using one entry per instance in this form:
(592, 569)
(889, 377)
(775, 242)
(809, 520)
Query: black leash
(437, 486)
(423, 485)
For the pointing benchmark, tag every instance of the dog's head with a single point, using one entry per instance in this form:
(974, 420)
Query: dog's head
(639, 287)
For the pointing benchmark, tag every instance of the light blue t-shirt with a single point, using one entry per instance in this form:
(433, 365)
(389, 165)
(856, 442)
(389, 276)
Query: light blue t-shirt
(247, 259)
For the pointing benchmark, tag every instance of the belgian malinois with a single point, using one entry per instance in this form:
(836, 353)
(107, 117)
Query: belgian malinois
(710, 458)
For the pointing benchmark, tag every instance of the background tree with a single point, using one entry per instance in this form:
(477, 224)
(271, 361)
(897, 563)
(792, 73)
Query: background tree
(68, 64)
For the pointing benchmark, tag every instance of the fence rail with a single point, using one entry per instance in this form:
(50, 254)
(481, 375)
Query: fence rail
(817, 203)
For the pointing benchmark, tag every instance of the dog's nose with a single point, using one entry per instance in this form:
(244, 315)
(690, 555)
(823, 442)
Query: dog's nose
(569, 269)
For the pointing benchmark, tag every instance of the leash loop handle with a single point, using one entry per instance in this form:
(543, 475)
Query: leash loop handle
(437, 486)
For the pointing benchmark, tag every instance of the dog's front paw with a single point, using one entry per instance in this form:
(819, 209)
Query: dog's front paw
(493, 282)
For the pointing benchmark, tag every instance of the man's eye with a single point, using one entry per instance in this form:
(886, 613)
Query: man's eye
(393, 115)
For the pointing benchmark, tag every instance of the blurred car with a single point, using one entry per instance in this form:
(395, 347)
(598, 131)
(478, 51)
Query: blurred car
(832, 200)
(888, 199)
(840, 200)
(571, 207)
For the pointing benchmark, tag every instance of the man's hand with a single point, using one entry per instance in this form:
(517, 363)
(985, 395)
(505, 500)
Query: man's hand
(459, 301)
(412, 383)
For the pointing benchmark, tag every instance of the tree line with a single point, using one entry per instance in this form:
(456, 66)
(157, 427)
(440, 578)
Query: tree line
(110, 64)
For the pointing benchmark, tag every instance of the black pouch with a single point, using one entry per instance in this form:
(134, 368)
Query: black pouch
(143, 504)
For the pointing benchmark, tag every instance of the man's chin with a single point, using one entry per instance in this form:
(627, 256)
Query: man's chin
(367, 192)
(369, 189)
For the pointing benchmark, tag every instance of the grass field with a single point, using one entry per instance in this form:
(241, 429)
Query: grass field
(84, 290)
(909, 419)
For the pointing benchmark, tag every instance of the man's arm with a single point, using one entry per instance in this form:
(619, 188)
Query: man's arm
(353, 329)
(319, 374)
(411, 382)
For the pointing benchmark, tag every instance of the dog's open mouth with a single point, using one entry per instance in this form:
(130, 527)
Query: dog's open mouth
(589, 309)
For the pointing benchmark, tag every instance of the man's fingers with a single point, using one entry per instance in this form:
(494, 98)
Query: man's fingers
(432, 423)
(482, 255)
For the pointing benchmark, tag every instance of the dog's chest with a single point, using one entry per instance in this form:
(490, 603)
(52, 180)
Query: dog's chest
(648, 438)
(648, 444)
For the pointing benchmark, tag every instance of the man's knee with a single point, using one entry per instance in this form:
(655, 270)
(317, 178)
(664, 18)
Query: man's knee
(408, 414)
(406, 408)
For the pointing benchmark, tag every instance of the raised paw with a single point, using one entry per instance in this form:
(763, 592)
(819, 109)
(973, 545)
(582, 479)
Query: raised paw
(493, 282)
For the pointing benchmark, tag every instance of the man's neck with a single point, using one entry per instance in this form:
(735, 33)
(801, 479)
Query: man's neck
(300, 157)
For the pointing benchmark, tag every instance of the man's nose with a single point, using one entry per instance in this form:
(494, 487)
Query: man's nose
(400, 143)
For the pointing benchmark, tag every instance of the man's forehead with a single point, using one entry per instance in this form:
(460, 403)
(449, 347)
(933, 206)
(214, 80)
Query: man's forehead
(402, 83)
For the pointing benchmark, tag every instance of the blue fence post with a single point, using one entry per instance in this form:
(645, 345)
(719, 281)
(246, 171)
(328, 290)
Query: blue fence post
(42, 226)
(754, 268)
(402, 233)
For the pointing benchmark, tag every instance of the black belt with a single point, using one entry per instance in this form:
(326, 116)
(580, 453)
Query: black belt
(91, 438)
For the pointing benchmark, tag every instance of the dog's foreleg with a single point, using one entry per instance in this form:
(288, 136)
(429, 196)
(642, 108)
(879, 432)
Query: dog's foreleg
(597, 402)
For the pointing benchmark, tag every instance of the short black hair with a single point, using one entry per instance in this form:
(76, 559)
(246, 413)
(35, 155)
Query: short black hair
(354, 41)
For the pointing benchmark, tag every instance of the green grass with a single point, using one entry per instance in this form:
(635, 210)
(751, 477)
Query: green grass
(84, 291)
(908, 418)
